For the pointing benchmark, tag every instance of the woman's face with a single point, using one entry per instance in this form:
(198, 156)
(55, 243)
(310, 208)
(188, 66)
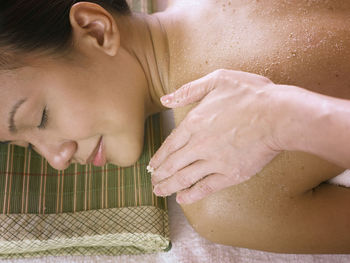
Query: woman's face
(86, 112)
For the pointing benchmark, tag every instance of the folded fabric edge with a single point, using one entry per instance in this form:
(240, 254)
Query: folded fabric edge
(144, 242)
(144, 228)
(86, 251)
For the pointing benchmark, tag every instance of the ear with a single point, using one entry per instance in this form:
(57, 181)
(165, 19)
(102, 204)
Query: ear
(94, 27)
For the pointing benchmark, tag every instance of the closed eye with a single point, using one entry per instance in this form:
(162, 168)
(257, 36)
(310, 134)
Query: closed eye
(44, 119)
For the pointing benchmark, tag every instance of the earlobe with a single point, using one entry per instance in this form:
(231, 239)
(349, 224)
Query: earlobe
(94, 27)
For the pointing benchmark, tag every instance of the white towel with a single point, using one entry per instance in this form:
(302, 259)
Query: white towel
(342, 179)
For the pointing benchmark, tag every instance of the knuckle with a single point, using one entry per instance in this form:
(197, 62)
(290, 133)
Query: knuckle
(169, 143)
(198, 148)
(184, 180)
(168, 168)
(170, 147)
(265, 80)
(171, 166)
(218, 78)
(170, 136)
(200, 140)
(186, 91)
(159, 176)
(179, 94)
(193, 119)
(220, 72)
(259, 78)
(183, 93)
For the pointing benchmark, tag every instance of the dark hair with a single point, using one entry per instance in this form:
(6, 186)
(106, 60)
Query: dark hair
(40, 25)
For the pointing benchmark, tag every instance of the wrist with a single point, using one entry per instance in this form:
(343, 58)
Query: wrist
(311, 122)
(290, 117)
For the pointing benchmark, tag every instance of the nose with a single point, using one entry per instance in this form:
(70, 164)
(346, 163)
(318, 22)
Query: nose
(59, 157)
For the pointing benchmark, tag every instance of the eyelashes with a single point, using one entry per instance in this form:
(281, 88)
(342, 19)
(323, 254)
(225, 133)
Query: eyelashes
(44, 119)
(42, 125)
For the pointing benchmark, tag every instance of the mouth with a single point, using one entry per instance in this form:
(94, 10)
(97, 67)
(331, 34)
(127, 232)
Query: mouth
(97, 157)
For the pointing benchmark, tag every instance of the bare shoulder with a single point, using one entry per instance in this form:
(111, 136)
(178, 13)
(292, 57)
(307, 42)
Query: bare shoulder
(305, 44)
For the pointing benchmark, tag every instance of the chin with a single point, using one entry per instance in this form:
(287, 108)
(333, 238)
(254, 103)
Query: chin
(126, 163)
(127, 158)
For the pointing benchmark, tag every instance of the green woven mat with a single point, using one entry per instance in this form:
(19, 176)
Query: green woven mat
(83, 210)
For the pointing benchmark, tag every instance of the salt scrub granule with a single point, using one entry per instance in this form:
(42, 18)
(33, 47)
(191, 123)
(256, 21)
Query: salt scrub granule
(150, 169)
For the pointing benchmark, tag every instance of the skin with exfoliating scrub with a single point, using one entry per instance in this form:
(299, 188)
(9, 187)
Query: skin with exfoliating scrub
(88, 103)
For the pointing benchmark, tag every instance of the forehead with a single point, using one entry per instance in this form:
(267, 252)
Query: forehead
(25, 79)
(14, 87)
(12, 83)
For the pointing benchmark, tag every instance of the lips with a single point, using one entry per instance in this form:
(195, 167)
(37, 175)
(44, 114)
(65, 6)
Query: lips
(98, 158)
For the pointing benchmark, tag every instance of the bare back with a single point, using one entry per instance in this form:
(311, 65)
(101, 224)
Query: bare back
(303, 43)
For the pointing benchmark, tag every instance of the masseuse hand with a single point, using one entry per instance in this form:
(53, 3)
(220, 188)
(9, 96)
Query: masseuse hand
(225, 140)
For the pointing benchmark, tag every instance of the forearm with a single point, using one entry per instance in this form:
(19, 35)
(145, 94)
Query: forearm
(314, 123)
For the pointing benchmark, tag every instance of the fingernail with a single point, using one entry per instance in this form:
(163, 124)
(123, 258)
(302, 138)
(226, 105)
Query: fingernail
(165, 101)
(167, 98)
(157, 191)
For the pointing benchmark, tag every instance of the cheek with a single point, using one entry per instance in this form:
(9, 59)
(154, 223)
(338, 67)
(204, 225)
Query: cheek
(73, 123)
(72, 114)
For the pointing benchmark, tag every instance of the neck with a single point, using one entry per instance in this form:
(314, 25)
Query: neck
(144, 37)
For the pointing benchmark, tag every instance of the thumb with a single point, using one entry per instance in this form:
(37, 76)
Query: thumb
(189, 93)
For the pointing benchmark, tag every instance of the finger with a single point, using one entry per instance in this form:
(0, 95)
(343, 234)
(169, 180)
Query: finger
(184, 178)
(174, 163)
(175, 141)
(198, 89)
(210, 184)
(189, 93)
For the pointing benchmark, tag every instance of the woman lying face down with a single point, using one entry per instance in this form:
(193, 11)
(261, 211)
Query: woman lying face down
(77, 81)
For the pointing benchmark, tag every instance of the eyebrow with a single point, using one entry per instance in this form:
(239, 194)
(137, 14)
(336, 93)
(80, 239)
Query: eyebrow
(11, 121)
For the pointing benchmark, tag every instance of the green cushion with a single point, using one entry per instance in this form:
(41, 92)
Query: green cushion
(83, 210)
